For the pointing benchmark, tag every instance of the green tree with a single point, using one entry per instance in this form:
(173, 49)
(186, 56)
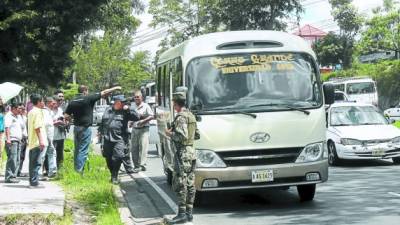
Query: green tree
(350, 23)
(37, 36)
(329, 50)
(382, 34)
(107, 61)
(185, 19)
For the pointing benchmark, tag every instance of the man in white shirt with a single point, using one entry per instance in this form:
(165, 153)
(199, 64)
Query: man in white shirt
(24, 142)
(49, 157)
(60, 125)
(140, 132)
(14, 133)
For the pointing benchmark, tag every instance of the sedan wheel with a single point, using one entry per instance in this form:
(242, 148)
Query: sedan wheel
(396, 160)
(333, 159)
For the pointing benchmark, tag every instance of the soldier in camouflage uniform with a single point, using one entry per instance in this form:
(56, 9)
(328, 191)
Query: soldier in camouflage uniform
(182, 133)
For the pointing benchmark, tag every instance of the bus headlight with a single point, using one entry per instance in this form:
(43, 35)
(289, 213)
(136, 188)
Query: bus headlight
(311, 153)
(208, 158)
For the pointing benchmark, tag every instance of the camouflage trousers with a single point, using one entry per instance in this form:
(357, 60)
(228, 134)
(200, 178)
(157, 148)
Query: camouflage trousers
(183, 183)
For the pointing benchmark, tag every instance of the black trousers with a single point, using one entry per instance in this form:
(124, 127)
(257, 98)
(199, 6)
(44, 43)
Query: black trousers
(24, 143)
(113, 152)
(59, 146)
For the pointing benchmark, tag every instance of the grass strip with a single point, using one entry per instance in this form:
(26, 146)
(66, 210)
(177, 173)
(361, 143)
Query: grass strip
(397, 124)
(93, 189)
(38, 219)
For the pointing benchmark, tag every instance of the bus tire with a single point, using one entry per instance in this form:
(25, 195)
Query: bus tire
(396, 160)
(199, 199)
(306, 192)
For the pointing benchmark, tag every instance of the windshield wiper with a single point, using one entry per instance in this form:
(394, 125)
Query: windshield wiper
(341, 124)
(284, 105)
(232, 111)
(369, 124)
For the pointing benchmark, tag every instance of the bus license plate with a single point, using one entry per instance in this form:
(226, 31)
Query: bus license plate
(378, 152)
(262, 176)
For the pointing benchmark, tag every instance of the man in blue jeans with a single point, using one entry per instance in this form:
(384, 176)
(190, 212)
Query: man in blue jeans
(37, 138)
(81, 110)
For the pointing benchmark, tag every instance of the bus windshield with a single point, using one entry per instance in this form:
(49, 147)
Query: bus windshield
(253, 81)
(360, 88)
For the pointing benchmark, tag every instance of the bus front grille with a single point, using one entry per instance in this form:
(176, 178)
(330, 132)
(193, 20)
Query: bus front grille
(260, 157)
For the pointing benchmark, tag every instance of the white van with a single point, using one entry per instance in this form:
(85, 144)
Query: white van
(358, 89)
(259, 103)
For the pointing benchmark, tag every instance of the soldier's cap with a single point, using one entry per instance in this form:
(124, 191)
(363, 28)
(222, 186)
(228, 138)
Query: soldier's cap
(179, 96)
(119, 98)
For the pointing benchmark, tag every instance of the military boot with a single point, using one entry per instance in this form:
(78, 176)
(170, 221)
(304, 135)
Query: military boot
(179, 218)
(189, 214)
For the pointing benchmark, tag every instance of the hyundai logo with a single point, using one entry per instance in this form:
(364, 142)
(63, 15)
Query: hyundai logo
(259, 137)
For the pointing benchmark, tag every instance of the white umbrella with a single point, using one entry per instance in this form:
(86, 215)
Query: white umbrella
(9, 90)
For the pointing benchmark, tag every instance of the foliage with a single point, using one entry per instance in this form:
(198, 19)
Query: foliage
(93, 189)
(186, 19)
(329, 50)
(382, 33)
(397, 124)
(71, 91)
(385, 73)
(36, 36)
(107, 61)
(254, 15)
(350, 23)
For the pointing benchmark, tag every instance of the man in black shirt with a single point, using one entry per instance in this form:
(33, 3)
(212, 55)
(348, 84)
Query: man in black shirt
(81, 109)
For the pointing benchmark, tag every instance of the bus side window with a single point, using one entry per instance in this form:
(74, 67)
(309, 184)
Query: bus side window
(159, 82)
(167, 85)
(177, 73)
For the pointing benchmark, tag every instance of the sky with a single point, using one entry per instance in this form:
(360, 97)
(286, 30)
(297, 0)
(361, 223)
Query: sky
(316, 13)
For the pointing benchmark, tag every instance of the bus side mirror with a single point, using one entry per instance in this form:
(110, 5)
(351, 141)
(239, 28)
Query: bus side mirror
(329, 93)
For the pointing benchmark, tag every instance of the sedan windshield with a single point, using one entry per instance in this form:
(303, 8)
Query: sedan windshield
(356, 115)
(253, 82)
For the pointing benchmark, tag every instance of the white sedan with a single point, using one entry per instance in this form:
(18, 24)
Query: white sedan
(360, 131)
(393, 113)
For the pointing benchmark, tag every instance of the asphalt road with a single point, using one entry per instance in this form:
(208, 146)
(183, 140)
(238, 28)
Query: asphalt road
(359, 192)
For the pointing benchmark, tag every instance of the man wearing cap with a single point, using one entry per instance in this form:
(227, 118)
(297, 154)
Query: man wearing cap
(183, 132)
(113, 129)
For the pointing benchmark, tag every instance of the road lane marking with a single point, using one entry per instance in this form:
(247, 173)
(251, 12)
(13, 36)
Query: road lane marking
(163, 195)
(394, 193)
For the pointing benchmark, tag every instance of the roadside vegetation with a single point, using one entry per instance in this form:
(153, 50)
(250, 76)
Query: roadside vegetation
(38, 219)
(93, 189)
(397, 124)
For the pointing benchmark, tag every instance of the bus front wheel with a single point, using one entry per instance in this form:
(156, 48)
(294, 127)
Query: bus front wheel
(306, 192)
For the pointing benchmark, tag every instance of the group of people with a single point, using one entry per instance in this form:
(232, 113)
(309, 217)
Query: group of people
(124, 132)
(39, 127)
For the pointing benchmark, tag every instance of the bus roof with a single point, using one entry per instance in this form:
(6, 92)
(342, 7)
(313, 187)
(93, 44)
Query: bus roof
(206, 45)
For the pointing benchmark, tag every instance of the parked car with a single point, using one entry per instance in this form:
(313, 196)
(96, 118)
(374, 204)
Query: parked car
(360, 131)
(98, 113)
(393, 113)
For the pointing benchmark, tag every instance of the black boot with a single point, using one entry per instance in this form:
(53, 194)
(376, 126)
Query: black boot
(189, 214)
(178, 219)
